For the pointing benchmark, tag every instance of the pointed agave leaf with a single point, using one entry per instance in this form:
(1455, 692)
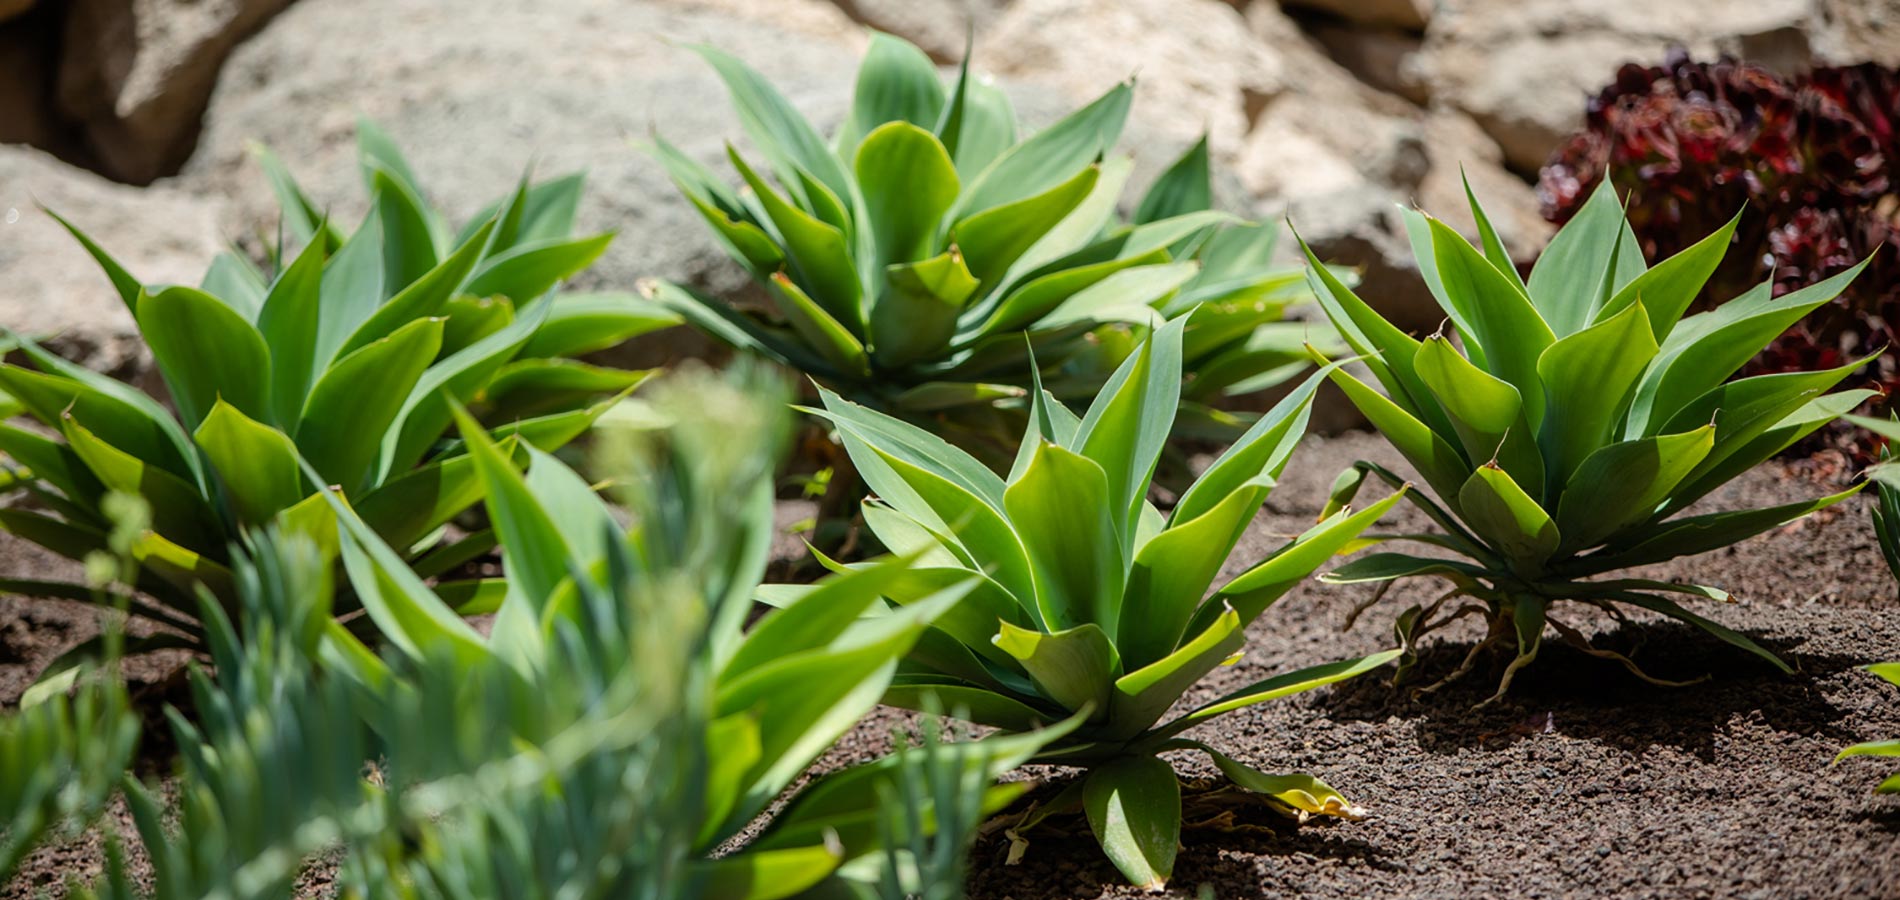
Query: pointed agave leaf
(1375, 567)
(1625, 484)
(1143, 695)
(819, 617)
(304, 220)
(1508, 519)
(1689, 536)
(975, 531)
(423, 297)
(978, 122)
(1134, 808)
(51, 462)
(1127, 425)
(526, 271)
(1502, 319)
(179, 511)
(236, 282)
(1486, 412)
(831, 338)
(896, 83)
(805, 701)
(1024, 305)
(780, 132)
(351, 289)
(1442, 466)
(908, 183)
(1494, 249)
(1754, 416)
(409, 249)
(1135, 296)
(819, 251)
(288, 323)
(534, 547)
(917, 317)
(405, 611)
(1068, 523)
(581, 323)
(123, 415)
(207, 352)
(1251, 592)
(993, 238)
(1186, 186)
(984, 706)
(1263, 450)
(1051, 156)
(1079, 236)
(732, 224)
(128, 286)
(1173, 571)
(1302, 793)
(915, 446)
(1588, 379)
(257, 463)
(357, 400)
(1573, 276)
(764, 874)
(1669, 288)
(425, 414)
(1707, 348)
(1075, 667)
(1735, 638)
(1387, 351)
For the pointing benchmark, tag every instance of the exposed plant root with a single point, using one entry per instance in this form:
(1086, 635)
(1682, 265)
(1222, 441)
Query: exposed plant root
(1576, 639)
(1470, 662)
(1359, 609)
(1504, 684)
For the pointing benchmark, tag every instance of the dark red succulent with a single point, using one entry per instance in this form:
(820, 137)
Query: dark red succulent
(1813, 161)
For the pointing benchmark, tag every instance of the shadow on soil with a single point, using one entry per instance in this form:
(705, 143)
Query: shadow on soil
(1216, 818)
(1569, 692)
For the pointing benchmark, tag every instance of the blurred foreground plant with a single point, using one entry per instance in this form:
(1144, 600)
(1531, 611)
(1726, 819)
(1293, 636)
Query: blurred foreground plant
(339, 368)
(1086, 600)
(611, 756)
(1584, 413)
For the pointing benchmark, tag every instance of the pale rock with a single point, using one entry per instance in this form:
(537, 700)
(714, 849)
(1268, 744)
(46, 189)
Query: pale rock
(1384, 58)
(55, 291)
(1461, 150)
(134, 75)
(1410, 15)
(1523, 68)
(939, 27)
(1195, 62)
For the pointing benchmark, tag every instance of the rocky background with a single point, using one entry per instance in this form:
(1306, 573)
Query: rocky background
(133, 117)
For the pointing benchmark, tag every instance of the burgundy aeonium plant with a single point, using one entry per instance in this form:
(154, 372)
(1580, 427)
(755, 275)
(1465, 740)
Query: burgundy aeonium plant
(1816, 160)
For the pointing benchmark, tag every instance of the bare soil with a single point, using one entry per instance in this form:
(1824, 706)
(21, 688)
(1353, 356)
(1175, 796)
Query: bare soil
(1585, 781)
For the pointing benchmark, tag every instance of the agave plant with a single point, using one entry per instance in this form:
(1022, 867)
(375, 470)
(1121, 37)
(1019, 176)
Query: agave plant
(348, 358)
(1890, 672)
(905, 257)
(1087, 599)
(1885, 477)
(774, 697)
(1583, 415)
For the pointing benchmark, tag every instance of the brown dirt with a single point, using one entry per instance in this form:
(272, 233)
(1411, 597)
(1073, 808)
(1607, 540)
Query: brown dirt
(1585, 782)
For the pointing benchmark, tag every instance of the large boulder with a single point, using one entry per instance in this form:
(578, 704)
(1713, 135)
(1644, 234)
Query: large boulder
(940, 27)
(1523, 68)
(54, 290)
(134, 76)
